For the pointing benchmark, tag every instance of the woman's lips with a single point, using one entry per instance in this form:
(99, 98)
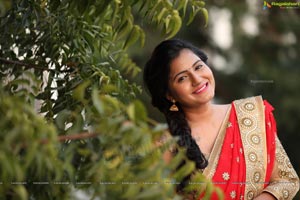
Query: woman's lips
(201, 89)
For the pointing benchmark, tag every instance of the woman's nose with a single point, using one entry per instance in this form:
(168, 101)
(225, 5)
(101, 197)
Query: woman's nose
(196, 78)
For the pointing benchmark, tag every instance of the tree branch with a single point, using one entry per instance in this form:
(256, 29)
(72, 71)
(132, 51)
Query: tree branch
(14, 62)
(29, 66)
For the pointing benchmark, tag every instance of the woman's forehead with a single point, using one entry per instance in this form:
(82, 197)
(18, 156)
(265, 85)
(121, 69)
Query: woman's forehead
(184, 60)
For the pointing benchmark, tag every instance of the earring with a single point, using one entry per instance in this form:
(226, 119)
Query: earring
(173, 108)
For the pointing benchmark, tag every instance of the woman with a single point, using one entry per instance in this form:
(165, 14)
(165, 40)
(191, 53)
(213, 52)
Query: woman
(235, 145)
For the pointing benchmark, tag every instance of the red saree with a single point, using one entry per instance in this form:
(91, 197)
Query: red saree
(242, 166)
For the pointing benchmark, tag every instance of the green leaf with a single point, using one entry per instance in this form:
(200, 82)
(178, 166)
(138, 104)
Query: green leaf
(175, 24)
(151, 192)
(21, 192)
(130, 191)
(133, 36)
(208, 191)
(30, 154)
(198, 183)
(142, 38)
(167, 23)
(205, 14)
(192, 15)
(62, 118)
(77, 124)
(125, 29)
(137, 112)
(97, 102)
(185, 170)
(219, 192)
(161, 14)
(185, 6)
(200, 3)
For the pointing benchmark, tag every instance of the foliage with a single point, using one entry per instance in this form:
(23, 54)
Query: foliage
(4, 6)
(62, 74)
(24, 158)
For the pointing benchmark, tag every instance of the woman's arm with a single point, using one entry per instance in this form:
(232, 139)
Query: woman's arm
(284, 182)
(265, 196)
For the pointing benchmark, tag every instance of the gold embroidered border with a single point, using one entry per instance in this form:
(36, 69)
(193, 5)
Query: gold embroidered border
(213, 160)
(284, 182)
(251, 120)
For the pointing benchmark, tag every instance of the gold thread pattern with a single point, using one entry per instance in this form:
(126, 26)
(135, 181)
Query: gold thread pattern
(249, 106)
(233, 194)
(255, 139)
(285, 194)
(252, 157)
(250, 114)
(256, 177)
(213, 160)
(250, 195)
(284, 180)
(226, 176)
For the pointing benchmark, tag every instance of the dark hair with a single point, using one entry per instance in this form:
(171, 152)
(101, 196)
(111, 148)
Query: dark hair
(156, 76)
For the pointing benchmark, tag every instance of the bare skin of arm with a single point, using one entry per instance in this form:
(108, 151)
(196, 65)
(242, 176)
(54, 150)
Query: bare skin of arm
(265, 196)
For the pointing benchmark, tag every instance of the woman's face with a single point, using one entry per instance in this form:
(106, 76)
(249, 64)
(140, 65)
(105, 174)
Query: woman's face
(191, 82)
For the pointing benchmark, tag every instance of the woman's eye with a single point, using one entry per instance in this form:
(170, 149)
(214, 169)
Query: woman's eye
(198, 67)
(182, 78)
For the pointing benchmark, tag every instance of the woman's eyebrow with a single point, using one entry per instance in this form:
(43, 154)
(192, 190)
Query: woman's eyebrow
(186, 69)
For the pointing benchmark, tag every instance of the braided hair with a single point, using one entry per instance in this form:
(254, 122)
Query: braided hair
(156, 76)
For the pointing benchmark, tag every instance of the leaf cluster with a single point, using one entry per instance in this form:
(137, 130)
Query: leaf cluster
(62, 69)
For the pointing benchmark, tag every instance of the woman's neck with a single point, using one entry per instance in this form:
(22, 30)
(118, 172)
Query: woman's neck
(203, 113)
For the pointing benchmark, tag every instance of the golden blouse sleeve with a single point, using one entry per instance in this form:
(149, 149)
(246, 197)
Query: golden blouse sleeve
(284, 182)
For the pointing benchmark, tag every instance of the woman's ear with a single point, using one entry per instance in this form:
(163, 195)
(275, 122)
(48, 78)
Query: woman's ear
(169, 97)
